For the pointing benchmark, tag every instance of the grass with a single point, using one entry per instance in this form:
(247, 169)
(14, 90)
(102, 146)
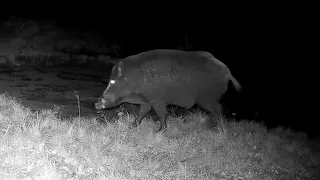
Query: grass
(42, 145)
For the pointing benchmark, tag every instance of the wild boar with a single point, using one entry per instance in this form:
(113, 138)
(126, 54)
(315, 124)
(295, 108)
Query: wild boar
(156, 78)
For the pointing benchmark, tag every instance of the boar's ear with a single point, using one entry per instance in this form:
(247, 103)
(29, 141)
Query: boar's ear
(120, 69)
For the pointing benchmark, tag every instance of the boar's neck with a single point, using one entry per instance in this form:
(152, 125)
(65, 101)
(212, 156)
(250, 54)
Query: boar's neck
(134, 98)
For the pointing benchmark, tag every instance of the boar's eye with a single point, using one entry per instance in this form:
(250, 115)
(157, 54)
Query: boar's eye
(111, 83)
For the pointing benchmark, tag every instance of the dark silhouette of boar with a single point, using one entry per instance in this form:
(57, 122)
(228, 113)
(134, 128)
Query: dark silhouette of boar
(160, 77)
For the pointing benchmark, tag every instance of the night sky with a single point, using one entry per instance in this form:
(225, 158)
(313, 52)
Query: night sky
(263, 55)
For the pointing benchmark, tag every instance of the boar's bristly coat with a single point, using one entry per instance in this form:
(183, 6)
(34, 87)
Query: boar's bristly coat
(157, 78)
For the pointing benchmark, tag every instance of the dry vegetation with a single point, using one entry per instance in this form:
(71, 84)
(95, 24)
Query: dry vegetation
(42, 145)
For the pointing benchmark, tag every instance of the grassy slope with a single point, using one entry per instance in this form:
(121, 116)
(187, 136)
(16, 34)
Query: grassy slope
(42, 145)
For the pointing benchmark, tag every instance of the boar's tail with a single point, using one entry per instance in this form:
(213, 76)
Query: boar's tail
(216, 61)
(236, 83)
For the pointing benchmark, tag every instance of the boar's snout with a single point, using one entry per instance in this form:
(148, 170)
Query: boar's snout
(105, 101)
(100, 104)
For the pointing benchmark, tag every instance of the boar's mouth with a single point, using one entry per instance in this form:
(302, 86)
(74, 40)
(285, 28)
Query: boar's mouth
(100, 104)
(103, 104)
(107, 101)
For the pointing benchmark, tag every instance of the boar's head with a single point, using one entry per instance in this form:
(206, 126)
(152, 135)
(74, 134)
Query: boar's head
(117, 89)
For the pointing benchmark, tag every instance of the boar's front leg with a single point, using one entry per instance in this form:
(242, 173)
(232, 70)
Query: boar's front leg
(161, 110)
(144, 109)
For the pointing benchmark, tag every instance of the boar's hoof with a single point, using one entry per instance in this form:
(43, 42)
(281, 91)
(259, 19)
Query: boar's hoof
(162, 128)
(133, 125)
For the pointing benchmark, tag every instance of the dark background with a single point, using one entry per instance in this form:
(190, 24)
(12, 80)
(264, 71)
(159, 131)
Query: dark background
(268, 56)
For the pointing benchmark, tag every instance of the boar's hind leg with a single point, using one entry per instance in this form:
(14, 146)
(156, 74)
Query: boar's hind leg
(210, 105)
(144, 109)
(214, 109)
(161, 110)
